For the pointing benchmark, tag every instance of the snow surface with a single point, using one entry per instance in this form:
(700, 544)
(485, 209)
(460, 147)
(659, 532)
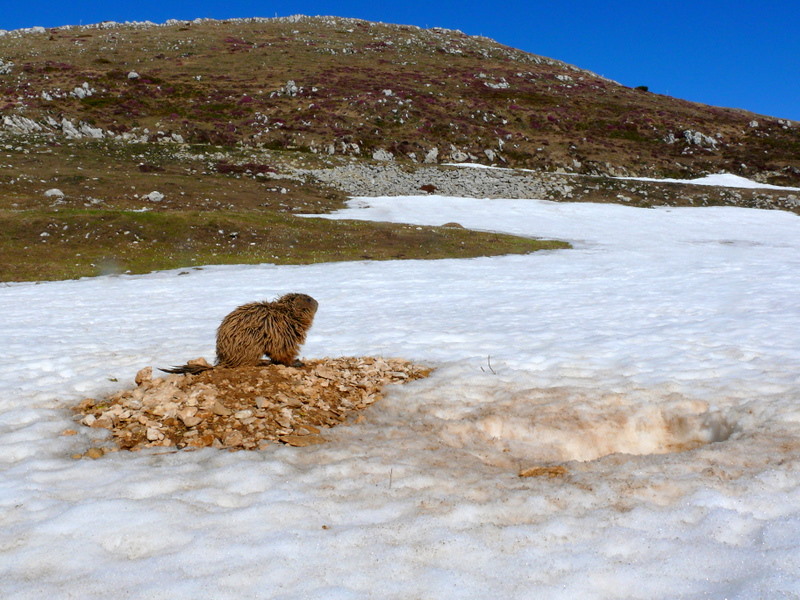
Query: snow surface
(662, 329)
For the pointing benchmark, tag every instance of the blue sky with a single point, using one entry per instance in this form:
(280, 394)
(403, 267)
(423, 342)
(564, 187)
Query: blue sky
(732, 53)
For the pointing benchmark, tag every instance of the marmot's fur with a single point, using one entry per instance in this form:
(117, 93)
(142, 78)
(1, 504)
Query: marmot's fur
(276, 329)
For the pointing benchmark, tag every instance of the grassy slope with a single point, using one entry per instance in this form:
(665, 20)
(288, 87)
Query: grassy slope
(38, 245)
(213, 212)
(360, 87)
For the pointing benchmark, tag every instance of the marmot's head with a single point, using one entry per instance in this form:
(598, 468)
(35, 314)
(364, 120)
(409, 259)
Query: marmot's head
(300, 303)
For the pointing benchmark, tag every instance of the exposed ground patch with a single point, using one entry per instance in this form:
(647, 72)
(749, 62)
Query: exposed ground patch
(243, 408)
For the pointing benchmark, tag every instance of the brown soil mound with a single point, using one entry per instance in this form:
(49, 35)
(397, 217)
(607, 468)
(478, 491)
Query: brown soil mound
(244, 408)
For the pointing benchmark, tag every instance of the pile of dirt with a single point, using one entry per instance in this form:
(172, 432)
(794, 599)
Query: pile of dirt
(244, 408)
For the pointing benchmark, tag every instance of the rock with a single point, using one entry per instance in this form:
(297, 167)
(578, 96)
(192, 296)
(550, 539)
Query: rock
(81, 92)
(188, 416)
(306, 430)
(301, 441)
(221, 410)
(383, 155)
(234, 438)
(291, 89)
(432, 156)
(144, 376)
(284, 421)
(94, 453)
(86, 405)
(103, 422)
(700, 139)
(22, 125)
(153, 197)
(325, 372)
(133, 75)
(457, 155)
(54, 193)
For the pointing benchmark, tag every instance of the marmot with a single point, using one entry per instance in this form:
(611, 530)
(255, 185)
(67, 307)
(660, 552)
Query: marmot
(276, 329)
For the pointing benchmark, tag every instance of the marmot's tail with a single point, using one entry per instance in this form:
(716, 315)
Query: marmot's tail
(188, 369)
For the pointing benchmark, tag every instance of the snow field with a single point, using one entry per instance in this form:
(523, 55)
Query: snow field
(661, 330)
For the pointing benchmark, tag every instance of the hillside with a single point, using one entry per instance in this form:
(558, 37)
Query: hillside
(343, 86)
(133, 147)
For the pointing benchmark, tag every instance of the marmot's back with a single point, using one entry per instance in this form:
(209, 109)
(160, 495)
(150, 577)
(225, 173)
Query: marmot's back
(276, 329)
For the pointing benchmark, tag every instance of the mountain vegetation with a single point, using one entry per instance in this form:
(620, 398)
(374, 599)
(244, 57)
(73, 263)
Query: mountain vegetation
(233, 118)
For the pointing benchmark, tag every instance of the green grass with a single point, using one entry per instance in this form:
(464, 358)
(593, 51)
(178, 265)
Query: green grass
(81, 243)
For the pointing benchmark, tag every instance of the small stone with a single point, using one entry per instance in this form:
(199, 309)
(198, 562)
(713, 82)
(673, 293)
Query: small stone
(69, 432)
(306, 430)
(103, 421)
(383, 155)
(243, 414)
(202, 441)
(188, 416)
(301, 441)
(221, 410)
(154, 434)
(325, 372)
(284, 421)
(144, 376)
(88, 420)
(153, 196)
(94, 453)
(86, 404)
(234, 438)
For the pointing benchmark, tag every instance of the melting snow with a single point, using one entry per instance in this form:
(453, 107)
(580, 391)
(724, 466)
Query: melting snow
(649, 375)
(718, 180)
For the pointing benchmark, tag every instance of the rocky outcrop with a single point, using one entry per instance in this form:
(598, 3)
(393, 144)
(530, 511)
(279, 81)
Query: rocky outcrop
(388, 179)
(393, 179)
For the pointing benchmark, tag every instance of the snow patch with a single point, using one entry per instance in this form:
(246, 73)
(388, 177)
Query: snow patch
(717, 180)
(662, 329)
